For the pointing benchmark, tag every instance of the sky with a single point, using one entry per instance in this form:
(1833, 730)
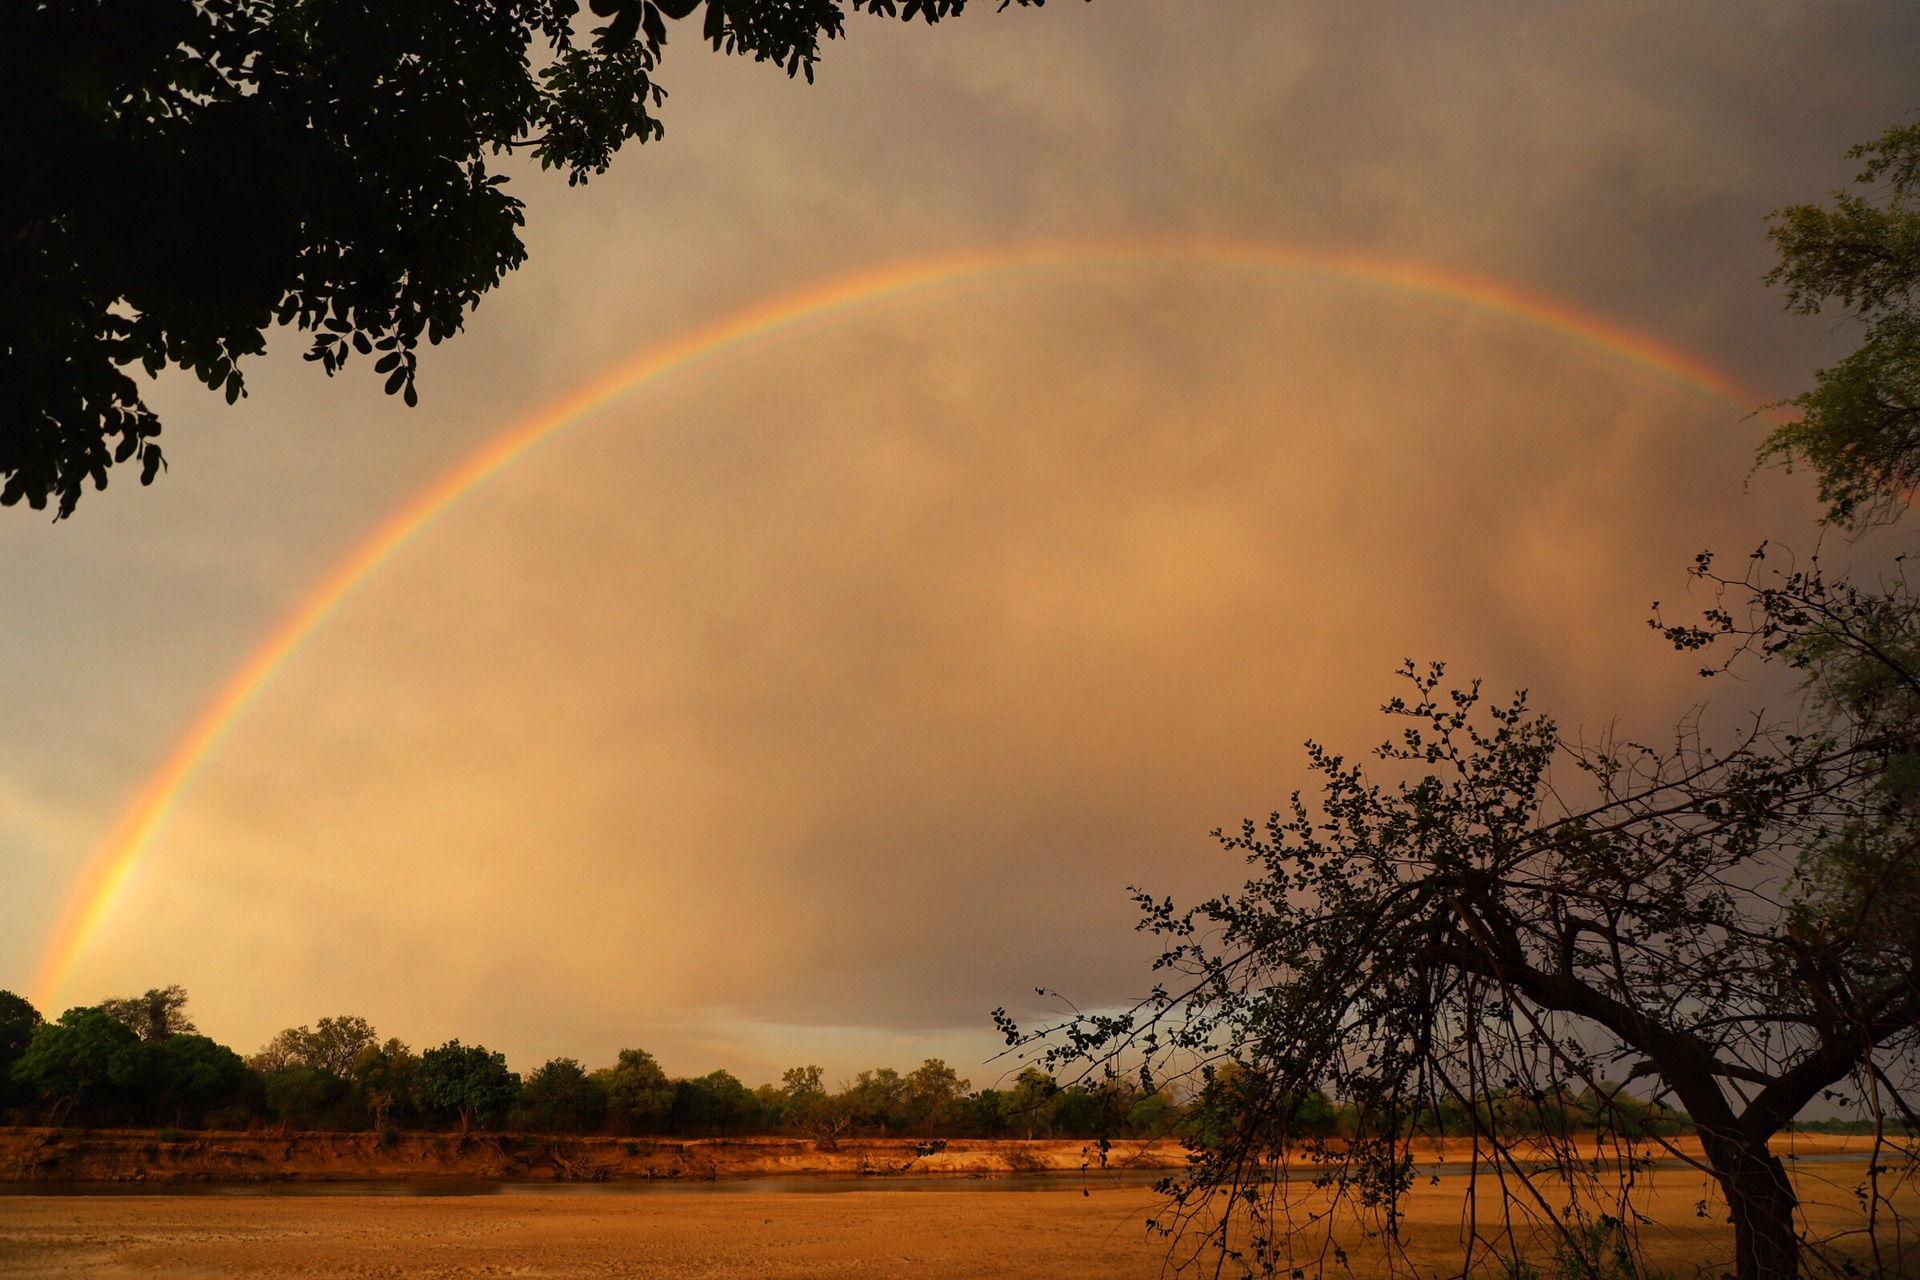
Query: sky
(809, 702)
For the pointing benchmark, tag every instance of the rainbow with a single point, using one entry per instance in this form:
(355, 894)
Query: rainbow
(113, 866)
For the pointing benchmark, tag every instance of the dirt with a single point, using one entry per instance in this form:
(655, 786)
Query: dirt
(1086, 1227)
(130, 1156)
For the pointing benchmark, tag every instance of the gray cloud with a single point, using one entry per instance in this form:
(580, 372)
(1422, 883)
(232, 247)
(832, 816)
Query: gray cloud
(838, 690)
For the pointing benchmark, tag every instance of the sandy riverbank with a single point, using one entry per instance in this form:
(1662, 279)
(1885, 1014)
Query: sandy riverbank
(1097, 1228)
(137, 1156)
(132, 1156)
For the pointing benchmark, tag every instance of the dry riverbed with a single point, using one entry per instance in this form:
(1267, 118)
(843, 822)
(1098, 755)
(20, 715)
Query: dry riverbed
(1077, 1227)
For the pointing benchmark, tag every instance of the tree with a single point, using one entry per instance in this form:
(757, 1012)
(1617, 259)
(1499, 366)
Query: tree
(1509, 931)
(1741, 928)
(18, 1020)
(466, 1081)
(183, 175)
(933, 1095)
(879, 1098)
(806, 1105)
(561, 1097)
(86, 1053)
(1859, 427)
(1028, 1106)
(714, 1103)
(154, 1016)
(383, 1078)
(192, 1075)
(639, 1095)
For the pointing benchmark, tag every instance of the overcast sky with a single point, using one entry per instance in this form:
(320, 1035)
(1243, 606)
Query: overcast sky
(809, 704)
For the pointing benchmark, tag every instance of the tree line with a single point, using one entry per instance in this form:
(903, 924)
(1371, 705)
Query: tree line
(140, 1060)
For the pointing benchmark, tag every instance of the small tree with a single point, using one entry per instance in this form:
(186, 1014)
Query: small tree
(18, 1021)
(159, 1013)
(560, 1097)
(639, 1095)
(933, 1094)
(1740, 928)
(192, 1075)
(806, 1105)
(86, 1054)
(383, 1078)
(466, 1081)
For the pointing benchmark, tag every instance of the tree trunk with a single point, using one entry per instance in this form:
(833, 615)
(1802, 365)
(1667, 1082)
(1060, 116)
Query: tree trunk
(1761, 1200)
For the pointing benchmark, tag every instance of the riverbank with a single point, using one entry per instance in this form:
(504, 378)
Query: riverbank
(166, 1157)
(122, 1156)
(962, 1233)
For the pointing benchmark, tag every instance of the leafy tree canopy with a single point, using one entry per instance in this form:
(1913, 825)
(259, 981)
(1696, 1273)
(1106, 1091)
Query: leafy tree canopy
(1859, 426)
(184, 175)
(86, 1052)
(1501, 933)
(639, 1095)
(18, 1018)
(155, 1015)
(467, 1081)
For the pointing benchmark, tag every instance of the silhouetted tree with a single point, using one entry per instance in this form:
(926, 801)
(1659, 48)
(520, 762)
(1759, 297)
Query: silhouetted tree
(807, 1106)
(1478, 943)
(560, 1097)
(183, 175)
(466, 1081)
(159, 1013)
(383, 1079)
(87, 1054)
(639, 1095)
(18, 1020)
(191, 1075)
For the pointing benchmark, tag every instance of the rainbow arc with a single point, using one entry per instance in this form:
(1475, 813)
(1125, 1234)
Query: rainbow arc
(113, 866)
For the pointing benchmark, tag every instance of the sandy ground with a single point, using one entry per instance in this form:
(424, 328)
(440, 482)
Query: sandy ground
(724, 1234)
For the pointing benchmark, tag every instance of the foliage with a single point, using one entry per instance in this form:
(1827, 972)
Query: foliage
(383, 1079)
(193, 1075)
(85, 1055)
(155, 1015)
(18, 1019)
(933, 1095)
(184, 175)
(306, 1097)
(714, 1103)
(1859, 426)
(560, 1097)
(806, 1105)
(333, 1046)
(639, 1095)
(1466, 948)
(466, 1081)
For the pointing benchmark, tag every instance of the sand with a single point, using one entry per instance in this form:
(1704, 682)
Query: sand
(956, 1231)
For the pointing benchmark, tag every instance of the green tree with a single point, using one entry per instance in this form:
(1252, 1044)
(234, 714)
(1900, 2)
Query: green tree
(155, 1015)
(466, 1081)
(879, 1099)
(183, 175)
(808, 1106)
(933, 1095)
(1028, 1106)
(192, 1075)
(18, 1019)
(383, 1079)
(1859, 426)
(639, 1095)
(1474, 942)
(714, 1103)
(984, 1113)
(87, 1053)
(1462, 935)
(560, 1097)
